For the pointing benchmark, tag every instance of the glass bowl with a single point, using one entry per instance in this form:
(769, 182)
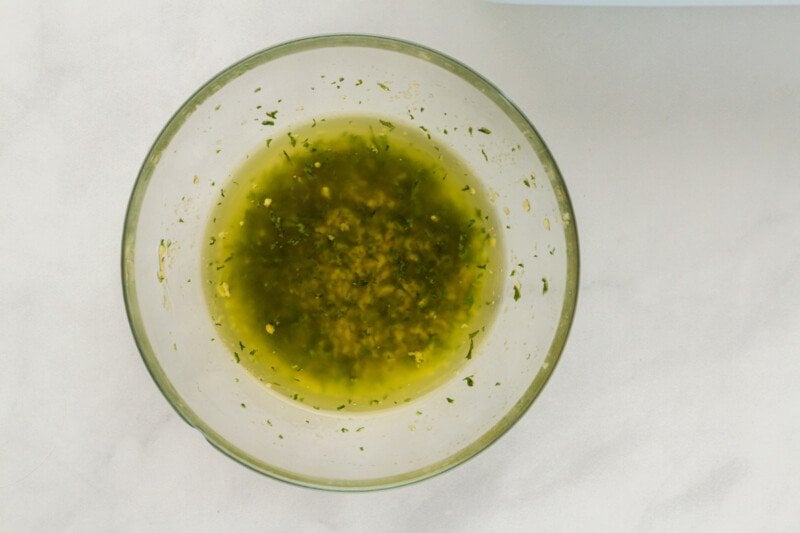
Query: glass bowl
(182, 178)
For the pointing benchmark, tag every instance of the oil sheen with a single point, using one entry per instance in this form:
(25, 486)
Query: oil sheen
(352, 264)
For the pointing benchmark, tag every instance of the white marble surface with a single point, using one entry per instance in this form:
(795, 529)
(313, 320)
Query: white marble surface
(676, 405)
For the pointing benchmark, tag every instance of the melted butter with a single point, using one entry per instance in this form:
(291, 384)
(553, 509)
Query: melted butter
(352, 264)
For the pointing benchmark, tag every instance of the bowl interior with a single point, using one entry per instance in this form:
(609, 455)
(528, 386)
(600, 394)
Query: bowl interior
(216, 131)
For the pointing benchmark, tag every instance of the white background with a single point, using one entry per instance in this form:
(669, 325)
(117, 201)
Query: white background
(676, 404)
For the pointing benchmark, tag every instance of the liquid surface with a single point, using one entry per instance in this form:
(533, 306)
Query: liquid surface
(352, 264)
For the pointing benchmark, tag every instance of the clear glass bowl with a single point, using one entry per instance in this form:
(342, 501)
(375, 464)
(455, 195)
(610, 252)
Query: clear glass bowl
(179, 183)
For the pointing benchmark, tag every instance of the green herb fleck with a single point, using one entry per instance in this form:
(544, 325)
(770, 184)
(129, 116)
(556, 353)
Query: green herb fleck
(384, 87)
(469, 380)
(387, 124)
(545, 285)
(272, 114)
(340, 407)
(243, 405)
(257, 90)
(268, 122)
(486, 157)
(471, 347)
(292, 139)
(269, 141)
(527, 183)
(449, 400)
(516, 293)
(485, 131)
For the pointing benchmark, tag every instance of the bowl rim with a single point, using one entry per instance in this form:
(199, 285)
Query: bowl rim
(365, 41)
